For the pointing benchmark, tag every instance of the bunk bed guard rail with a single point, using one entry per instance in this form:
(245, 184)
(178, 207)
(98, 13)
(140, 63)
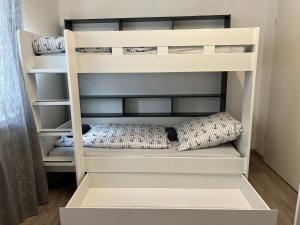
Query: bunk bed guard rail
(163, 60)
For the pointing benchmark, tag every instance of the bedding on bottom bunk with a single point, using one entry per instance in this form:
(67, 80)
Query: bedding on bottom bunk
(224, 150)
(121, 136)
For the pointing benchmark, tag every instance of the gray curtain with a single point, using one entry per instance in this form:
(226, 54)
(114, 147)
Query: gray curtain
(23, 182)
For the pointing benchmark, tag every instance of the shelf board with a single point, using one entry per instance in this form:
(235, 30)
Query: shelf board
(177, 114)
(55, 132)
(51, 102)
(91, 115)
(154, 96)
(145, 19)
(58, 159)
(108, 115)
(48, 70)
(187, 114)
(58, 164)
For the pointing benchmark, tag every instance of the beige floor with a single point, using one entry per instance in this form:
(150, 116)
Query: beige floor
(275, 191)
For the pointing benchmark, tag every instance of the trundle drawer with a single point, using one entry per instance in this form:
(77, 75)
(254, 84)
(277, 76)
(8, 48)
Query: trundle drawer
(166, 199)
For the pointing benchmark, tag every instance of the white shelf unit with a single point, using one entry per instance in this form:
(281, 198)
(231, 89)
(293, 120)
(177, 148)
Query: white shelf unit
(34, 66)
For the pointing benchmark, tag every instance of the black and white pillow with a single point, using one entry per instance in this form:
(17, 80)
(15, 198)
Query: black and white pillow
(208, 131)
(49, 45)
(118, 136)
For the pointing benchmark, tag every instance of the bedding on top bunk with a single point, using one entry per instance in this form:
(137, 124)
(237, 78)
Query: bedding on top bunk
(49, 45)
(120, 136)
(52, 45)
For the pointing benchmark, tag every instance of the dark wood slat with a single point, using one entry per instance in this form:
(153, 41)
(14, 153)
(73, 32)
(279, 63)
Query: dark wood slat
(175, 114)
(148, 114)
(224, 80)
(192, 114)
(143, 19)
(123, 106)
(91, 115)
(227, 21)
(154, 96)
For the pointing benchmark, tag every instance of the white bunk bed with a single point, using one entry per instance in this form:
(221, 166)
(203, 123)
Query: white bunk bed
(166, 187)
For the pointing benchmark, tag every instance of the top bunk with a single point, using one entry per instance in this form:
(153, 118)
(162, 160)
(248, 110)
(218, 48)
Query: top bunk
(150, 51)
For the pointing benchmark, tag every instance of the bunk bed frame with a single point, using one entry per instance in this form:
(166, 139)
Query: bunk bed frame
(157, 190)
(162, 63)
(164, 190)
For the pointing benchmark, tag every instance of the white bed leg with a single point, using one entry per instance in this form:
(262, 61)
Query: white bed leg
(243, 144)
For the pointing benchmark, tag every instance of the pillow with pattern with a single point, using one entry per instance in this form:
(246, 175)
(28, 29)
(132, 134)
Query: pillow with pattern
(118, 136)
(208, 131)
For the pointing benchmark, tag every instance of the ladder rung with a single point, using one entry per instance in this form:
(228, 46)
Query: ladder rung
(58, 159)
(51, 102)
(55, 164)
(48, 70)
(55, 132)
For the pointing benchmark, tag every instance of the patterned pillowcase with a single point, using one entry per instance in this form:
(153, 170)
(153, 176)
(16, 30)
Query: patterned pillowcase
(48, 45)
(207, 132)
(120, 136)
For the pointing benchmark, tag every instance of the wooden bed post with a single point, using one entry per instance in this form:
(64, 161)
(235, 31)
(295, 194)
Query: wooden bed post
(75, 104)
(243, 144)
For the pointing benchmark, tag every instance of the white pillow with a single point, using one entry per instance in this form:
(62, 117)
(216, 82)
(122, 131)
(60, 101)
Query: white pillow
(208, 131)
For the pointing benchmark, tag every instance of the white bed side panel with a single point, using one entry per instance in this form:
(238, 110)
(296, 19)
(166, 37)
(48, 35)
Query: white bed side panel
(55, 63)
(94, 216)
(94, 63)
(163, 180)
(195, 165)
(150, 38)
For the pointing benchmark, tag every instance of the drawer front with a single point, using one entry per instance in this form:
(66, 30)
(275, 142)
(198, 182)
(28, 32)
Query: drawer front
(93, 216)
(185, 165)
(166, 199)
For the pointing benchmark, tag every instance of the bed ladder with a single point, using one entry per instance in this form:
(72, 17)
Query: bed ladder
(47, 136)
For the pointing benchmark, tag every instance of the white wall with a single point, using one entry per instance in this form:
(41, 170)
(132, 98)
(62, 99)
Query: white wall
(283, 142)
(42, 17)
(247, 13)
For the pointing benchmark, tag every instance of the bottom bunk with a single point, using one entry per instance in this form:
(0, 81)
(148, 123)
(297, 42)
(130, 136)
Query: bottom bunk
(221, 159)
(204, 146)
(166, 199)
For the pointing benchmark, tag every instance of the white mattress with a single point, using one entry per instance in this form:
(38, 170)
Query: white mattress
(224, 150)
